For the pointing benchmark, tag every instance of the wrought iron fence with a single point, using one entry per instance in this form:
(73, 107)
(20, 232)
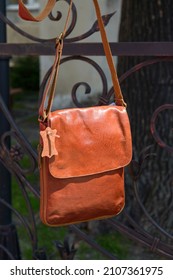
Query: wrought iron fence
(128, 229)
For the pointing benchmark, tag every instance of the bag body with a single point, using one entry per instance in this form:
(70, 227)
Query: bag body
(85, 179)
(82, 151)
(76, 200)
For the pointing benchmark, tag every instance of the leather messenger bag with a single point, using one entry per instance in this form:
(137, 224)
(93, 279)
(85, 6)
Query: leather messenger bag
(83, 151)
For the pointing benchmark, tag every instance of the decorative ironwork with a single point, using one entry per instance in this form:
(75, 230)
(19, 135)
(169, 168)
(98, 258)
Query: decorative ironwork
(154, 237)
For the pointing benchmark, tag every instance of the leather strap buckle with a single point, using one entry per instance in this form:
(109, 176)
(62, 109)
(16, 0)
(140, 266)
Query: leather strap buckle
(42, 118)
(59, 39)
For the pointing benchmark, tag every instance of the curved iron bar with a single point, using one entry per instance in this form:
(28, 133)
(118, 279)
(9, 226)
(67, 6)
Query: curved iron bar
(74, 18)
(136, 167)
(41, 40)
(142, 206)
(156, 136)
(138, 67)
(8, 253)
(23, 221)
(74, 91)
(159, 247)
(135, 225)
(76, 86)
(8, 152)
(14, 168)
(19, 30)
(30, 211)
(20, 137)
(92, 243)
(145, 234)
(147, 214)
(91, 31)
(88, 88)
(22, 182)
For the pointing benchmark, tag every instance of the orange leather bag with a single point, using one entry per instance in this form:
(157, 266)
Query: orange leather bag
(83, 150)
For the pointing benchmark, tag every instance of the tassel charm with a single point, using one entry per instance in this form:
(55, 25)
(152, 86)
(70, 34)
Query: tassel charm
(48, 137)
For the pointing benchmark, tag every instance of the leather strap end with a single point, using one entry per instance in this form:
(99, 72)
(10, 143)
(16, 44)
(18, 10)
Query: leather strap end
(120, 102)
(25, 14)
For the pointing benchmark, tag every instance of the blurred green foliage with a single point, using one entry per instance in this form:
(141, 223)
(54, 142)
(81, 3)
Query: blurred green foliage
(25, 73)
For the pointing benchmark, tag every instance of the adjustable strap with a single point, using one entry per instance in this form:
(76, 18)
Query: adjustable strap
(51, 85)
(52, 81)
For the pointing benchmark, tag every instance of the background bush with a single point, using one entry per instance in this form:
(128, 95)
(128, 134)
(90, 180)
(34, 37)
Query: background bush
(25, 73)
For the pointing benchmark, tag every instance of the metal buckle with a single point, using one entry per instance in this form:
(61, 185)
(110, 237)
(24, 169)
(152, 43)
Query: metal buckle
(59, 39)
(42, 118)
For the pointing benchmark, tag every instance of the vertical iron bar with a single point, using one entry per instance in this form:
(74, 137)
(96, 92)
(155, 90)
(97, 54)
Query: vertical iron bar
(5, 180)
(8, 236)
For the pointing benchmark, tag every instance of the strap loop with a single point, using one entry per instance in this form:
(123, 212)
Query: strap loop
(25, 13)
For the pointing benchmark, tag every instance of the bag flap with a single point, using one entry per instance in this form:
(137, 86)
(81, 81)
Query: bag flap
(90, 141)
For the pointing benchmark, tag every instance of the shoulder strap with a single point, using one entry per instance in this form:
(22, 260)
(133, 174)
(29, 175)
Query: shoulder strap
(117, 90)
(50, 88)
